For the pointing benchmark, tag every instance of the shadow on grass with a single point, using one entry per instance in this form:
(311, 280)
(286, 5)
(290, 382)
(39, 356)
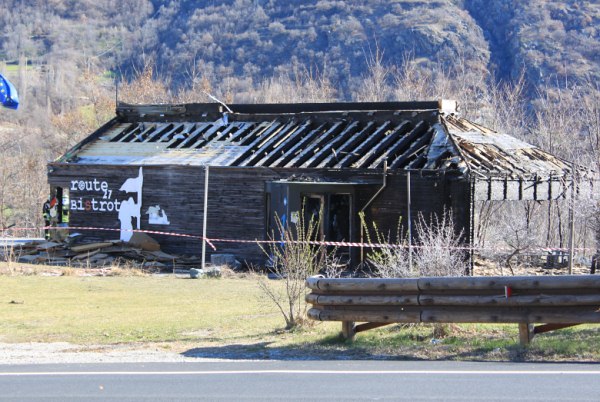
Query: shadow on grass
(564, 347)
(329, 348)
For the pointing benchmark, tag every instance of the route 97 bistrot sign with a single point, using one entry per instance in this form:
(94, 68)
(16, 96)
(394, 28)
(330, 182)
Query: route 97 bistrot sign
(126, 202)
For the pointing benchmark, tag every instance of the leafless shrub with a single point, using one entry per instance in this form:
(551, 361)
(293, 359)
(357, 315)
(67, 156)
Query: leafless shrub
(437, 253)
(8, 257)
(389, 262)
(292, 261)
(439, 250)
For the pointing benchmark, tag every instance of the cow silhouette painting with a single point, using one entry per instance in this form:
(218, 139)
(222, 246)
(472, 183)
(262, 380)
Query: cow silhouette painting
(131, 208)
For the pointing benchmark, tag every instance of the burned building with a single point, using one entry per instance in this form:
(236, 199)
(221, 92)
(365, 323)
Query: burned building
(151, 166)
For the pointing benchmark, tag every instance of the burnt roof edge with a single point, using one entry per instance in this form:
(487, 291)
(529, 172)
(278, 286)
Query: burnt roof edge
(124, 109)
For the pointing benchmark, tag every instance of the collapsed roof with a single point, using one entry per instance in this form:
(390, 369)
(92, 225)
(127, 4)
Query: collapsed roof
(406, 135)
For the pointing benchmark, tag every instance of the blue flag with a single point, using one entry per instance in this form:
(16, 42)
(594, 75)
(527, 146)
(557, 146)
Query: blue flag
(8, 94)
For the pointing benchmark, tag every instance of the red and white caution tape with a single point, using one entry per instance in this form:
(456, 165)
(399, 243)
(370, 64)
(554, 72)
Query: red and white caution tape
(211, 241)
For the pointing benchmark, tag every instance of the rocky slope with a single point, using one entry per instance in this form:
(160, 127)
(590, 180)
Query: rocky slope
(244, 41)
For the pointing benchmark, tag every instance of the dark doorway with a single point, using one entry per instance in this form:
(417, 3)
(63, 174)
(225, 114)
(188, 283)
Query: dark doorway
(314, 208)
(330, 203)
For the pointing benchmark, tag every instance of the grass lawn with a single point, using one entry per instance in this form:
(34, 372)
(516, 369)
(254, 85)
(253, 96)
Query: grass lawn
(229, 317)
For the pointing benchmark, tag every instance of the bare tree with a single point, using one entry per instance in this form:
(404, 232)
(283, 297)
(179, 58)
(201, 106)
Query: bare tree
(374, 86)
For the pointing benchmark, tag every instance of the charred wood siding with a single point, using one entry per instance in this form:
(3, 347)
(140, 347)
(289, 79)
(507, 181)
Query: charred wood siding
(177, 189)
(430, 194)
(235, 204)
(236, 201)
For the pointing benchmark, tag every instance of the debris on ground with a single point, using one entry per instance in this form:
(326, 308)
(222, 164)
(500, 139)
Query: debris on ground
(141, 252)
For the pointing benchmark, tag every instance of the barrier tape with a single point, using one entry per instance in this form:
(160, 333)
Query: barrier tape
(211, 241)
(208, 241)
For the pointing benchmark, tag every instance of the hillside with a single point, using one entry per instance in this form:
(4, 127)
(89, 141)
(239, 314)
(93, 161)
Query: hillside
(244, 41)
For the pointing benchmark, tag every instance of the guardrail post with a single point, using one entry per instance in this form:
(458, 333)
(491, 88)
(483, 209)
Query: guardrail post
(348, 331)
(525, 333)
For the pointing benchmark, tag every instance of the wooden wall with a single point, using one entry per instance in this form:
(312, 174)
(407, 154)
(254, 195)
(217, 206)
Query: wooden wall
(430, 194)
(236, 206)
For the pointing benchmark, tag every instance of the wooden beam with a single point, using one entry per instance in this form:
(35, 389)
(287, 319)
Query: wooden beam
(361, 284)
(348, 331)
(309, 150)
(280, 149)
(329, 148)
(379, 148)
(540, 329)
(550, 315)
(369, 325)
(515, 282)
(251, 148)
(347, 146)
(515, 300)
(350, 300)
(191, 136)
(525, 333)
(365, 146)
(370, 316)
(420, 143)
(402, 143)
(263, 150)
(247, 134)
(244, 132)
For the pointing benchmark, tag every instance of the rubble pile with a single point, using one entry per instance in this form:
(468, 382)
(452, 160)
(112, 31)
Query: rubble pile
(142, 251)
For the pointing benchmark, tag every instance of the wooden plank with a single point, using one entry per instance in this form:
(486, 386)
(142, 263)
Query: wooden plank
(408, 316)
(90, 246)
(86, 255)
(363, 284)
(515, 282)
(47, 246)
(356, 300)
(518, 300)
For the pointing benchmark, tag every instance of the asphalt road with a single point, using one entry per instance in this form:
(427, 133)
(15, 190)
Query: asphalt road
(302, 380)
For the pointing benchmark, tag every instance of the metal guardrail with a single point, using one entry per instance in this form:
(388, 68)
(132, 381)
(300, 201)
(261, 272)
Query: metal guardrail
(554, 301)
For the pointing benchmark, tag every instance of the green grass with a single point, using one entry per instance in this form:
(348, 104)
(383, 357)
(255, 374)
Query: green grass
(222, 317)
(126, 309)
